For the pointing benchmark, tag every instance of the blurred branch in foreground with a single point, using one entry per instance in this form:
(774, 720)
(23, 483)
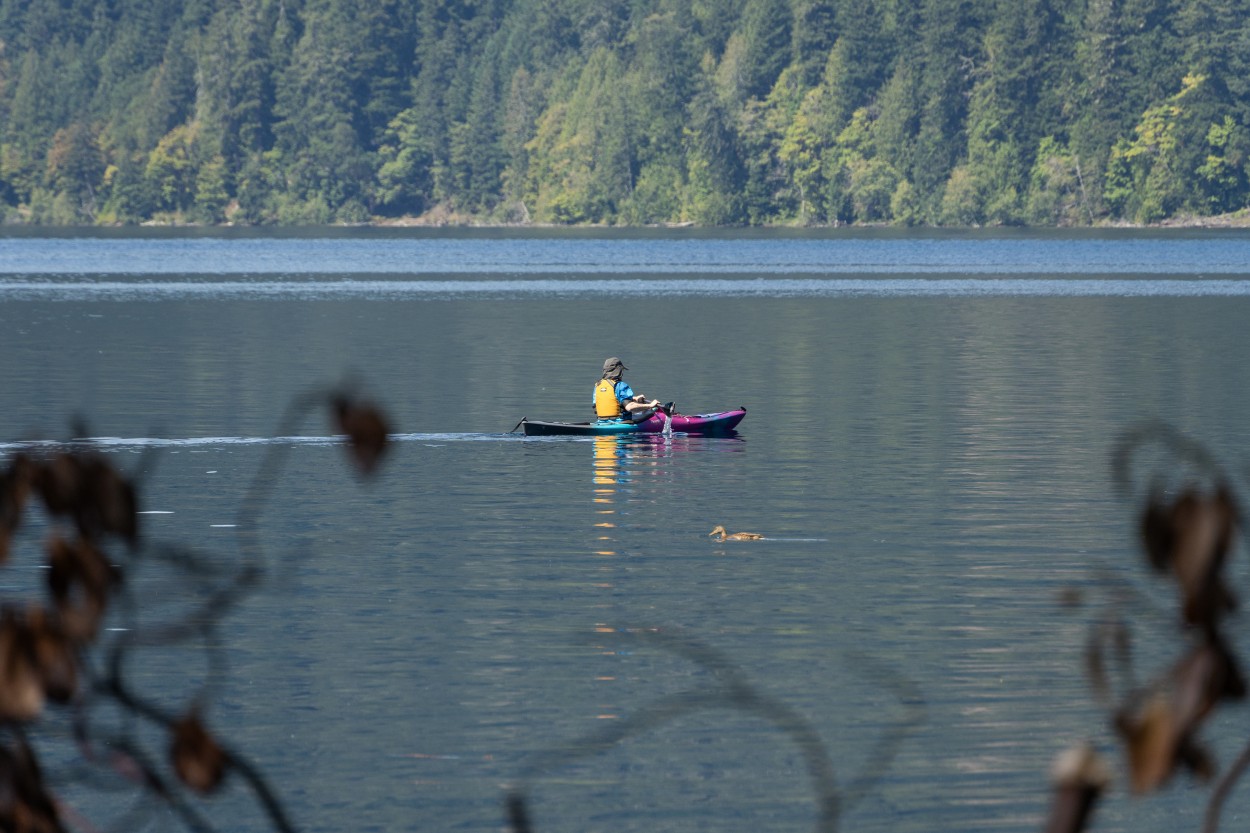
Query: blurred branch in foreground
(1188, 517)
(55, 656)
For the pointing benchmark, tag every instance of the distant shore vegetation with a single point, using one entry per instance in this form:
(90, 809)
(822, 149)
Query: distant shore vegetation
(625, 112)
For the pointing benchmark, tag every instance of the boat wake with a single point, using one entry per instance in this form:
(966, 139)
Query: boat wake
(107, 444)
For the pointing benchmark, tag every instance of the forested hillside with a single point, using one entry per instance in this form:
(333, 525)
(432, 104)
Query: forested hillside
(713, 112)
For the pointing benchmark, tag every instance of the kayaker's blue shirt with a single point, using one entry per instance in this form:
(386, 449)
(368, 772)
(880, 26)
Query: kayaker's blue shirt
(623, 393)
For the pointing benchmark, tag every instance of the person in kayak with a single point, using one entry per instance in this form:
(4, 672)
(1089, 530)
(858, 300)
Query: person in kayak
(615, 399)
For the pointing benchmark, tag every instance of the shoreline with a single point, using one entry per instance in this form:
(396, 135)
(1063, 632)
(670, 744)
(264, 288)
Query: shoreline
(438, 218)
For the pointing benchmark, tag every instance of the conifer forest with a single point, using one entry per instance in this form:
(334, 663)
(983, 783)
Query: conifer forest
(624, 112)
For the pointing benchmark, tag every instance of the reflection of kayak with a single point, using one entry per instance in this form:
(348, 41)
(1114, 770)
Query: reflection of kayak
(719, 424)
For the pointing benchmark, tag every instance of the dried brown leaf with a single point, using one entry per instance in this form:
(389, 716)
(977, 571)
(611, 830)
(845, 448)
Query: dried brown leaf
(197, 757)
(15, 483)
(1203, 531)
(25, 805)
(54, 655)
(59, 483)
(1151, 737)
(109, 503)
(21, 687)
(367, 431)
(81, 580)
(1161, 733)
(88, 489)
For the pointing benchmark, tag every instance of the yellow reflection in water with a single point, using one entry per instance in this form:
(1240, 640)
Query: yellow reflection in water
(606, 474)
(611, 467)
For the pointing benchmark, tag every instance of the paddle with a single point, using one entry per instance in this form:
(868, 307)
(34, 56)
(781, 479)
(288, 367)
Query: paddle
(667, 410)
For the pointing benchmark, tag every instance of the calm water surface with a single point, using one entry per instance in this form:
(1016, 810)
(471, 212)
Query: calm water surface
(926, 449)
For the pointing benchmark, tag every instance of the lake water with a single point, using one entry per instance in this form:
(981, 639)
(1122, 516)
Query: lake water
(927, 450)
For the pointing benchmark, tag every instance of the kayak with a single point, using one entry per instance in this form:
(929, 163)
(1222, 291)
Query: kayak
(717, 424)
(713, 425)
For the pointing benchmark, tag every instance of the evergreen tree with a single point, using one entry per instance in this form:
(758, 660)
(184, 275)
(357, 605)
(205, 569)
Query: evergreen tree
(714, 170)
(815, 32)
(404, 177)
(129, 198)
(236, 79)
(1010, 103)
(715, 20)
(1127, 57)
(766, 27)
(321, 129)
(1215, 38)
(476, 156)
(858, 64)
(660, 84)
(950, 51)
(524, 103)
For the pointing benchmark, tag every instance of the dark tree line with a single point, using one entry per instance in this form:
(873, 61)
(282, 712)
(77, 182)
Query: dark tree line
(713, 112)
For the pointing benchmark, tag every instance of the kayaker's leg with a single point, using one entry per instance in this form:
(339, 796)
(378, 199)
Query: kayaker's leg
(642, 416)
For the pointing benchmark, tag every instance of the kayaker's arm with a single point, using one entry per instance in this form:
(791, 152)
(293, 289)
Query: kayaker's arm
(640, 402)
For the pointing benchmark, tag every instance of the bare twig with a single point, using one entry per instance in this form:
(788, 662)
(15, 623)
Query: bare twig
(732, 690)
(1215, 805)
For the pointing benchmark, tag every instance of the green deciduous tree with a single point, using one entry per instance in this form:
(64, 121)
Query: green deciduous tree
(801, 148)
(1222, 176)
(769, 192)
(1148, 177)
(75, 169)
(212, 190)
(129, 198)
(962, 201)
(1056, 194)
(170, 172)
(580, 160)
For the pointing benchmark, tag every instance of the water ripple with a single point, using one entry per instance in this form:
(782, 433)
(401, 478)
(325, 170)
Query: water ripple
(778, 254)
(70, 288)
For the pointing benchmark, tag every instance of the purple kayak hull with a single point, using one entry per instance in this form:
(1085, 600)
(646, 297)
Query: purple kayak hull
(718, 424)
